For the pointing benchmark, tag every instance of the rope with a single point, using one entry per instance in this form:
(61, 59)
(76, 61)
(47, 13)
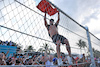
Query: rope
(47, 65)
(25, 33)
(32, 35)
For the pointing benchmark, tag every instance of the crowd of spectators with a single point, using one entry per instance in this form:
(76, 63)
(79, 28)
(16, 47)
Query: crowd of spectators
(40, 59)
(7, 43)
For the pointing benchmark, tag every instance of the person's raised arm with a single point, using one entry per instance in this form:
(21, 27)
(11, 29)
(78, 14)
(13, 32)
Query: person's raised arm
(58, 19)
(44, 56)
(7, 53)
(45, 20)
(35, 60)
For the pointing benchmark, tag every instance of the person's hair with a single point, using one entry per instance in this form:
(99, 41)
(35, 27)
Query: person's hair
(17, 61)
(0, 59)
(51, 19)
(3, 53)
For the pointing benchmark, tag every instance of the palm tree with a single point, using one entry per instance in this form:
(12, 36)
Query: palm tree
(45, 47)
(96, 53)
(19, 47)
(81, 44)
(29, 49)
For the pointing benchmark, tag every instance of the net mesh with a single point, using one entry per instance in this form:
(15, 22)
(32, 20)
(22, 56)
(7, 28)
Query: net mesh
(21, 22)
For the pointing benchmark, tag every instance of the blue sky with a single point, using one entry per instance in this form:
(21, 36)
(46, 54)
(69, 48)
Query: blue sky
(86, 13)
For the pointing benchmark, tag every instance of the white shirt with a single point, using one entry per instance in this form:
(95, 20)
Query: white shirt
(49, 63)
(98, 60)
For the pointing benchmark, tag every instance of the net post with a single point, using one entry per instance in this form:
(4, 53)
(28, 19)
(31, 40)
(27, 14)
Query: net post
(90, 48)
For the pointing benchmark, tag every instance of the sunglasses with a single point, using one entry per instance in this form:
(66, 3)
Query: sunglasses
(51, 21)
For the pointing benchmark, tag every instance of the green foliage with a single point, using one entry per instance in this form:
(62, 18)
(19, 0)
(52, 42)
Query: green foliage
(45, 47)
(81, 44)
(29, 49)
(96, 53)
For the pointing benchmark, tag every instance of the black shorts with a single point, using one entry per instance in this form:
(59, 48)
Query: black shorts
(57, 37)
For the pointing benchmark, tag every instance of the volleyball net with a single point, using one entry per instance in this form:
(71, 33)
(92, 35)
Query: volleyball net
(22, 23)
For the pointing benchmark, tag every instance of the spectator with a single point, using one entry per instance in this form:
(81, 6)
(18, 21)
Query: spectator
(10, 43)
(2, 61)
(98, 61)
(6, 43)
(55, 61)
(48, 60)
(81, 60)
(1, 42)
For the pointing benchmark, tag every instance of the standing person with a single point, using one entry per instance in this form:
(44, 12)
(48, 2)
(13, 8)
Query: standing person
(98, 61)
(57, 39)
(48, 60)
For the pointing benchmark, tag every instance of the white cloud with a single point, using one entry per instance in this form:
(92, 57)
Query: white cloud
(98, 35)
(84, 12)
(94, 26)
